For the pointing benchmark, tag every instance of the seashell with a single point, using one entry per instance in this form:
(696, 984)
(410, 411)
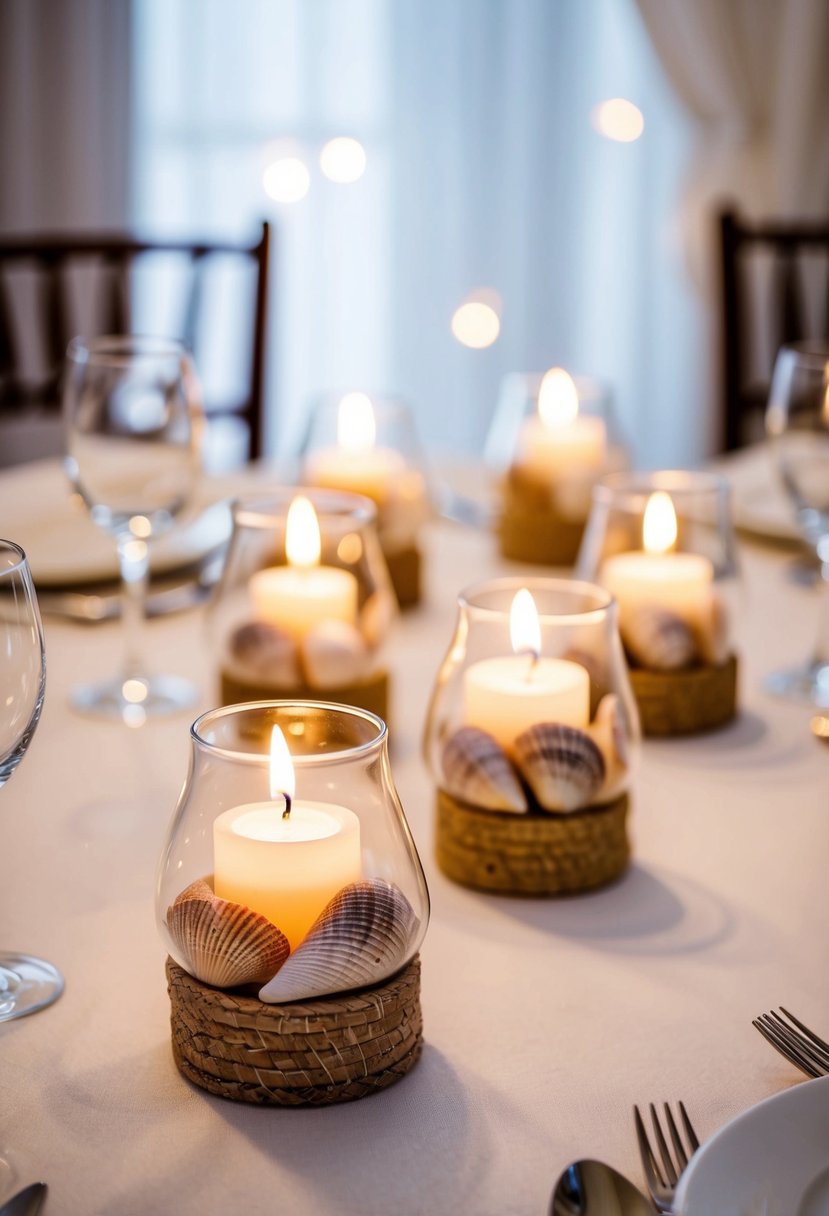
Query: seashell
(476, 770)
(362, 935)
(266, 652)
(595, 667)
(376, 617)
(334, 653)
(657, 638)
(562, 765)
(224, 944)
(609, 731)
(711, 632)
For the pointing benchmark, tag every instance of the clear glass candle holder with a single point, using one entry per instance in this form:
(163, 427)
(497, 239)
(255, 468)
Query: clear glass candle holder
(663, 544)
(532, 738)
(300, 894)
(368, 445)
(553, 436)
(305, 603)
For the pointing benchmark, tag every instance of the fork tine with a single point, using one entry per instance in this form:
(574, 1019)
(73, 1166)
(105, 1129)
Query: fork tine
(805, 1046)
(667, 1160)
(786, 1049)
(649, 1163)
(824, 1046)
(689, 1128)
(679, 1147)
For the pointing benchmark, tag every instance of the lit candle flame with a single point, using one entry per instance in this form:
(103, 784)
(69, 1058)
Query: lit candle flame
(659, 523)
(302, 534)
(558, 399)
(524, 626)
(283, 779)
(356, 427)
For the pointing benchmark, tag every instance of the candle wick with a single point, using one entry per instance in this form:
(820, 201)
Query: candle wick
(534, 657)
(286, 814)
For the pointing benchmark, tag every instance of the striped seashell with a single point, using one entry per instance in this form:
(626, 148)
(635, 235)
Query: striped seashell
(224, 944)
(266, 652)
(362, 935)
(562, 765)
(658, 639)
(609, 731)
(376, 617)
(477, 770)
(711, 633)
(334, 653)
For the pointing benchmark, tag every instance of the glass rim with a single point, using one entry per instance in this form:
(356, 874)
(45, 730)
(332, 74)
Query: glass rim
(567, 586)
(22, 561)
(114, 350)
(811, 351)
(341, 756)
(679, 483)
(268, 509)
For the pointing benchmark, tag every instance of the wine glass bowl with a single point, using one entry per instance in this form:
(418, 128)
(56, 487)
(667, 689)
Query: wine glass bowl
(797, 423)
(26, 983)
(133, 428)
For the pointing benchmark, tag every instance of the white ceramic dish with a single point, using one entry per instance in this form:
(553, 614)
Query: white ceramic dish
(64, 546)
(759, 502)
(773, 1160)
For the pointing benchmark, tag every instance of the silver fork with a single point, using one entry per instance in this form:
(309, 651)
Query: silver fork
(800, 1045)
(662, 1182)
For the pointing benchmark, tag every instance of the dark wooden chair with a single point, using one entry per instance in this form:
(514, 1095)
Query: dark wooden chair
(53, 287)
(775, 289)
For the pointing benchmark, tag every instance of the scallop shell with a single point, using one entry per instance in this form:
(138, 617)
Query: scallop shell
(362, 935)
(476, 770)
(377, 616)
(596, 668)
(563, 765)
(334, 653)
(658, 639)
(711, 633)
(266, 652)
(224, 944)
(609, 730)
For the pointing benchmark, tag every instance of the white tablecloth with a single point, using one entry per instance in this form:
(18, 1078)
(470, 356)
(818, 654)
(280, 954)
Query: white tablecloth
(544, 1020)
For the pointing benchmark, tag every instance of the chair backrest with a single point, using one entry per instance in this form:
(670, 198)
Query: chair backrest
(53, 287)
(775, 289)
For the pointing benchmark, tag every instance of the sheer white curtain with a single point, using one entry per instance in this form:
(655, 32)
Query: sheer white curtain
(483, 171)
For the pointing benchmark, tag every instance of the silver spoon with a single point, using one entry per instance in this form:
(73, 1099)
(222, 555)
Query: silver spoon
(591, 1188)
(27, 1202)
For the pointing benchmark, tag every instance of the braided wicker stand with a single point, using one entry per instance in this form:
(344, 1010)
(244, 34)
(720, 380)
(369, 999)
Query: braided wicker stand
(309, 1053)
(371, 694)
(532, 854)
(686, 702)
(404, 571)
(531, 528)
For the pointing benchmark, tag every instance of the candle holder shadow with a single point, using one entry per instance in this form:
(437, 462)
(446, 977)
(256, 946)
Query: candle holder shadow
(308, 1053)
(532, 854)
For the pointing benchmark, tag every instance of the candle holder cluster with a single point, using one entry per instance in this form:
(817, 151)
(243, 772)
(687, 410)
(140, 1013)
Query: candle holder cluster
(304, 605)
(532, 739)
(368, 445)
(292, 921)
(663, 544)
(558, 433)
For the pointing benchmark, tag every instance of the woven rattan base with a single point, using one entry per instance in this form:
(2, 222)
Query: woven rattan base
(309, 1053)
(686, 702)
(371, 694)
(404, 570)
(534, 854)
(531, 529)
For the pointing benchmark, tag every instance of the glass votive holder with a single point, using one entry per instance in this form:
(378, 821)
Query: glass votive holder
(304, 604)
(368, 445)
(553, 436)
(663, 544)
(292, 903)
(532, 739)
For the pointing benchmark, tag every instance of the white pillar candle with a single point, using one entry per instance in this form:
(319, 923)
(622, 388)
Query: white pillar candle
(286, 869)
(356, 464)
(558, 441)
(301, 595)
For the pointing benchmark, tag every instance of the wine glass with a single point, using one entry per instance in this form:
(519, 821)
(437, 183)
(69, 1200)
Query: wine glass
(133, 427)
(797, 421)
(26, 983)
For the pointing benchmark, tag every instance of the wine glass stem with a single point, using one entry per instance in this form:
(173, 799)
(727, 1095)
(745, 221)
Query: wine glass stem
(134, 560)
(821, 655)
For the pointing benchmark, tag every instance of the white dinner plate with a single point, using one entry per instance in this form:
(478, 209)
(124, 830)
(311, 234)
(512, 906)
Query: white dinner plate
(64, 546)
(773, 1160)
(759, 502)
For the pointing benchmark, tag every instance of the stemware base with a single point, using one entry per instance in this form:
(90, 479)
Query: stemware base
(26, 985)
(808, 684)
(134, 700)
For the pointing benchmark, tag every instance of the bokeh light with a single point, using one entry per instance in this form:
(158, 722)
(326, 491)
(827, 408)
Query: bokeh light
(343, 160)
(619, 119)
(286, 180)
(476, 324)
